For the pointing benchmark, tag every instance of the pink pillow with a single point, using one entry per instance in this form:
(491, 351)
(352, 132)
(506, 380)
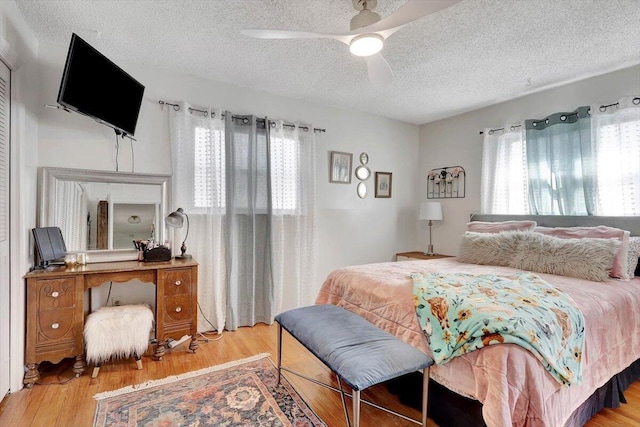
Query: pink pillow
(619, 268)
(497, 227)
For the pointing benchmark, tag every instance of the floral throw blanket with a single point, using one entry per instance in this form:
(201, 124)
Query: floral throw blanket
(461, 312)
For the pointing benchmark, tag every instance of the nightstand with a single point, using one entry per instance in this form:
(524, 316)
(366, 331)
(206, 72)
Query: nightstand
(413, 256)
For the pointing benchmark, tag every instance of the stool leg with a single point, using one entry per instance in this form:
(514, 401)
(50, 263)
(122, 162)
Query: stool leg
(138, 361)
(425, 395)
(356, 408)
(344, 402)
(279, 352)
(96, 369)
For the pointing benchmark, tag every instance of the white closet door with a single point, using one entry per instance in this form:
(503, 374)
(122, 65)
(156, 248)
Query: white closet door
(5, 98)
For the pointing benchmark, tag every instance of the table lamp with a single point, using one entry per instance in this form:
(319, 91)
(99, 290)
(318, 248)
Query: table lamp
(176, 220)
(430, 211)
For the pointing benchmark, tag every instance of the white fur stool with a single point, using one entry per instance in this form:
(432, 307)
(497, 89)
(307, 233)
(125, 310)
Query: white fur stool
(121, 331)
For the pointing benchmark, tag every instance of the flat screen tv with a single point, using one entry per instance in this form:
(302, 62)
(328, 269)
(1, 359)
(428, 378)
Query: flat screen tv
(93, 85)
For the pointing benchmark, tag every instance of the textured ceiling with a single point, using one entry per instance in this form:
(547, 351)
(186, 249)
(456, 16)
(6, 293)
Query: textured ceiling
(472, 54)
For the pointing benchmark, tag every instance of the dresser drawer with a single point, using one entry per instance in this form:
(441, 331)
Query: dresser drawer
(177, 308)
(177, 281)
(56, 293)
(55, 325)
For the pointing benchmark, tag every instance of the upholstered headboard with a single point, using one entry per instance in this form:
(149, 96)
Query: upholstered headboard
(631, 223)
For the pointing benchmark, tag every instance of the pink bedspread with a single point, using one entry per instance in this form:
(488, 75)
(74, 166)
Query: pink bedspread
(512, 385)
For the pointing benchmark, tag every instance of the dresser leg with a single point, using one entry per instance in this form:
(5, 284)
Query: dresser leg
(193, 345)
(161, 349)
(78, 366)
(31, 376)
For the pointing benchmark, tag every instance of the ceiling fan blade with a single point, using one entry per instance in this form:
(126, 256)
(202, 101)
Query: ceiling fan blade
(408, 12)
(293, 34)
(380, 73)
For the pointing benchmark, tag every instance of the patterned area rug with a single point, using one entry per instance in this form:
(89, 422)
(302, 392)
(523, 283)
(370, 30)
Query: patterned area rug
(240, 393)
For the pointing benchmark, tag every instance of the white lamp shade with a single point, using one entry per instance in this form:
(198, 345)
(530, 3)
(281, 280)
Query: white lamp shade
(431, 211)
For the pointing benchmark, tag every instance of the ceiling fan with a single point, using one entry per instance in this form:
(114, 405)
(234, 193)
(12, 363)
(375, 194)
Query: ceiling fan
(368, 33)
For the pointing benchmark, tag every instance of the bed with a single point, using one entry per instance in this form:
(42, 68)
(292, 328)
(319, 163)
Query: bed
(506, 381)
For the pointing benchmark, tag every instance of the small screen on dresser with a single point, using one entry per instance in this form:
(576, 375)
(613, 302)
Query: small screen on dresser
(49, 245)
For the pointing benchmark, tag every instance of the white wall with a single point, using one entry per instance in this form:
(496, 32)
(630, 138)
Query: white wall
(456, 141)
(23, 47)
(349, 230)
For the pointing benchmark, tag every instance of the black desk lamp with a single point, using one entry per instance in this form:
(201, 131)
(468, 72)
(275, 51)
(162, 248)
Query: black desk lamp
(176, 220)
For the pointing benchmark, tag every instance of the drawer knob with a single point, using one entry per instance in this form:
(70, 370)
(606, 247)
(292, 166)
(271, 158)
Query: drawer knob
(178, 282)
(178, 309)
(55, 326)
(55, 294)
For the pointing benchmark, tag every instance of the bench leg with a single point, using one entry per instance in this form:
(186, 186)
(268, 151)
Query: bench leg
(425, 395)
(344, 402)
(356, 408)
(279, 352)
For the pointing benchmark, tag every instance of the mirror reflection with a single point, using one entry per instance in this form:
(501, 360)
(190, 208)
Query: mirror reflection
(102, 210)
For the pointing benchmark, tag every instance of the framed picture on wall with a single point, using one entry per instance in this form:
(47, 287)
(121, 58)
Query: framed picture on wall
(383, 184)
(340, 167)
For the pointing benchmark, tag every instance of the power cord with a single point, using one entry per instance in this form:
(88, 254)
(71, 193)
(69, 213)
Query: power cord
(213, 331)
(109, 294)
(133, 159)
(205, 338)
(117, 150)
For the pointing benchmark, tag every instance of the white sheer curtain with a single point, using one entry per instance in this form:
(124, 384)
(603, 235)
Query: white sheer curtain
(615, 132)
(504, 186)
(293, 221)
(71, 214)
(200, 187)
(197, 144)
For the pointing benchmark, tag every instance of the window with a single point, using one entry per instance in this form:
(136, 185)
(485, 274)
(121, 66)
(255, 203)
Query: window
(209, 172)
(617, 152)
(208, 169)
(573, 173)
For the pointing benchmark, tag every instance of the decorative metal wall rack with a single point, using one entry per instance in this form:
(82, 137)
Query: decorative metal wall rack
(447, 182)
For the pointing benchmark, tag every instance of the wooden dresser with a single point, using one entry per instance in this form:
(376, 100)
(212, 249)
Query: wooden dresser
(56, 311)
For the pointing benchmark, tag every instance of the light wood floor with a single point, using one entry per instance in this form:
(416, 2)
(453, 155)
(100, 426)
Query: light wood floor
(72, 404)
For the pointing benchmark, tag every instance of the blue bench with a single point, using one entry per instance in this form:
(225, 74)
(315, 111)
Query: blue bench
(359, 353)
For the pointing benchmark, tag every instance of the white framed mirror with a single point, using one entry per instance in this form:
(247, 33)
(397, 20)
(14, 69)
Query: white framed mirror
(364, 158)
(363, 173)
(101, 212)
(362, 190)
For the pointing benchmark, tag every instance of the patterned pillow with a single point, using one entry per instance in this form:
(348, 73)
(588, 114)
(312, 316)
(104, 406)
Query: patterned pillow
(632, 258)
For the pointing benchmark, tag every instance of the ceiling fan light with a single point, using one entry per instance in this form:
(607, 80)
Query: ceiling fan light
(366, 44)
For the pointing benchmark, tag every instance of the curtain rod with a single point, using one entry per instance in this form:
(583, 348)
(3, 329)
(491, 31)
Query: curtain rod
(176, 107)
(603, 108)
(491, 131)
